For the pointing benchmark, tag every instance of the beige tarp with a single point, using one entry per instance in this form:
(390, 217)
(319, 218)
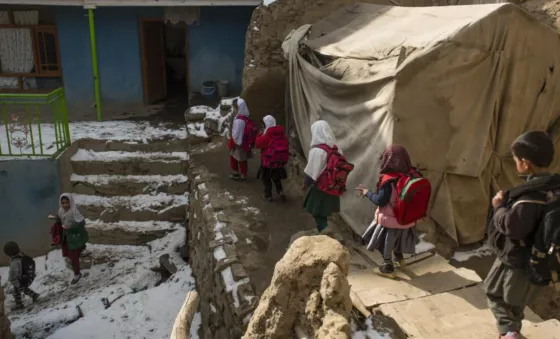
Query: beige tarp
(455, 85)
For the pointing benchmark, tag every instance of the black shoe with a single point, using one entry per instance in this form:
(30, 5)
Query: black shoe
(387, 270)
(35, 296)
(76, 278)
(234, 176)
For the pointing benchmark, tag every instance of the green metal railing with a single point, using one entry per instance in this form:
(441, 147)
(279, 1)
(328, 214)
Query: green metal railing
(33, 124)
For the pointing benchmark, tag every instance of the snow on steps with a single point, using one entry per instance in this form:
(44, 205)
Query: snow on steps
(164, 207)
(112, 185)
(128, 232)
(85, 162)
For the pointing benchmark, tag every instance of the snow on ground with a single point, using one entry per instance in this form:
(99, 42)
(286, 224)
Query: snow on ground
(483, 251)
(129, 131)
(141, 202)
(139, 308)
(369, 332)
(89, 155)
(197, 128)
(153, 180)
(423, 245)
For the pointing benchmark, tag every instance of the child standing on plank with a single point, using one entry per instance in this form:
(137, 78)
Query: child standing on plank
(325, 175)
(274, 144)
(518, 214)
(22, 273)
(388, 233)
(242, 140)
(74, 235)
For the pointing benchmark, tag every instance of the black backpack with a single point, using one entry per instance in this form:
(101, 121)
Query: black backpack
(27, 270)
(544, 265)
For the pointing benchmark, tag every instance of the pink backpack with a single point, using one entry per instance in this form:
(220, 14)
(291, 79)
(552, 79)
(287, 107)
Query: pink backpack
(333, 179)
(249, 134)
(277, 154)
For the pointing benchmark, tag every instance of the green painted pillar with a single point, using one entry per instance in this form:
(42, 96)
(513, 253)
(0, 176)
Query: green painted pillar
(97, 87)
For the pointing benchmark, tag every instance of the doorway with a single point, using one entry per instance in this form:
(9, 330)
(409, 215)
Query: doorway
(164, 51)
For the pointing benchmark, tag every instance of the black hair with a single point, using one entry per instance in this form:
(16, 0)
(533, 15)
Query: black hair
(64, 198)
(536, 147)
(11, 249)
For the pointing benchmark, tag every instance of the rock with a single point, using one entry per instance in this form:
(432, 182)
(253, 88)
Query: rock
(308, 289)
(5, 332)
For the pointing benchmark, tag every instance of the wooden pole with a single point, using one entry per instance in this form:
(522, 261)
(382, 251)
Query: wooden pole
(182, 326)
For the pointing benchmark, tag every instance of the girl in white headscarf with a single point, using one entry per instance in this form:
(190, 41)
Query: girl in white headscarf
(75, 236)
(318, 203)
(275, 152)
(238, 150)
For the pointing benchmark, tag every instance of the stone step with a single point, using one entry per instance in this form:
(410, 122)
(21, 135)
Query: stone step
(160, 207)
(128, 232)
(115, 185)
(97, 254)
(87, 162)
(169, 144)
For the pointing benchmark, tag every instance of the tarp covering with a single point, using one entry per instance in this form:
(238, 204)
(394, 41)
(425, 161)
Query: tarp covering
(455, 85)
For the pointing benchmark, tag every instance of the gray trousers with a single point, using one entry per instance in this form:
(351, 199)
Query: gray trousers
(508, 291)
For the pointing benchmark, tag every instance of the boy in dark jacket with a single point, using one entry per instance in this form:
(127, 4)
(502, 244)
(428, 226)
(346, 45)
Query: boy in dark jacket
(517, 214)
(17, 277)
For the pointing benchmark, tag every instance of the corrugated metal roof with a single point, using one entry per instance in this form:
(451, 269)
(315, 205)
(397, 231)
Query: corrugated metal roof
(100, 3)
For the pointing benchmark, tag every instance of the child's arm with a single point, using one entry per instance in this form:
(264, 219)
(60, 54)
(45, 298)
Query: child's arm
(383, 196)
(517, 222)
(15, 273)
(262, 141)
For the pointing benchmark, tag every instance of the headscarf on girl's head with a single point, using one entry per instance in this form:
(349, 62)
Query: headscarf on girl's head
(72, 215)
(395, 158)
(269, 121)
(321, 133)
(242, 109)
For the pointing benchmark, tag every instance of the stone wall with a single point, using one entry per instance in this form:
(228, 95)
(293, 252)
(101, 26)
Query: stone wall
(218, 252)
(5, 332)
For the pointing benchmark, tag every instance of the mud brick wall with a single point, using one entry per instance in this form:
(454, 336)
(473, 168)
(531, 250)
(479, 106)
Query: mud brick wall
(5, 332)
(216, 251)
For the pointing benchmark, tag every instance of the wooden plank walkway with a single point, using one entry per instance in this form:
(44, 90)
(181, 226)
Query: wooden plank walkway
(431, 299)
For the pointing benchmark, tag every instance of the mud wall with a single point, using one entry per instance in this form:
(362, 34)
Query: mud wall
(216, 251)
(5, 332)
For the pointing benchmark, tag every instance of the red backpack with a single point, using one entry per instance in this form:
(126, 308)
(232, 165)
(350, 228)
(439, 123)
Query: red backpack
(333, 179)
(413, 196)
(277, 154)
(249, 134)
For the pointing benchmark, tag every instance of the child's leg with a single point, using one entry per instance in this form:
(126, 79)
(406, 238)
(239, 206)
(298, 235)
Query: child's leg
(30, 293)
(278, 185)
(243, 168)
(74, 256)
(267, 185)
(234, 165)
(17, 296)
(321, 222)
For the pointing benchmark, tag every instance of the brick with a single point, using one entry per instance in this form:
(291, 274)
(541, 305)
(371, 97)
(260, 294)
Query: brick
(226, 262)
(238, 272)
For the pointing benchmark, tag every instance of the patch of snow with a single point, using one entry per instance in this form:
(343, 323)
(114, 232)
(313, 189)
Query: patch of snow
(423, 245)
(232, 285)
(219, 253)
(89, 155)
(131, 226)
(153, 180)
(201, 109)
(268, 2)
(195, 325)
(212, 308)
(202, 187)
(483, 251)
(153, 203)
(255, 28)
(197, 129)
(248, 241)
(369, 332)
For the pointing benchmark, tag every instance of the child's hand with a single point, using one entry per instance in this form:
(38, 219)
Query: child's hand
(65, 227)
(52, 216)
(362, 189)
(498, 199)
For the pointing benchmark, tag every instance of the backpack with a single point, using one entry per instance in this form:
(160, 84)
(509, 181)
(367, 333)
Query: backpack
(27, 269)
(413, 196)
(333, 179)
(277, 154)
(249, 134)
(544, 265)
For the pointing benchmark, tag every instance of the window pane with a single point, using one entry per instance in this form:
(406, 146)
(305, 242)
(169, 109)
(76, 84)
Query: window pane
(47, 48)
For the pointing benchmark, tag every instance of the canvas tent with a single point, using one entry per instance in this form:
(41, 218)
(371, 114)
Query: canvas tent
(455, 85)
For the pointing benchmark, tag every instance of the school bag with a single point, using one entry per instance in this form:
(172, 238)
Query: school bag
(277, 154)
(544, 265)
(333, 179)
(413, 196)
(27, 269)
(249, 134)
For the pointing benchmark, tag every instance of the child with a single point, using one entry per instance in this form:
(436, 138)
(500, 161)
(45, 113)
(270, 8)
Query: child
(274, 156)
(385, 234)
(517, 214)
(22, 273)
(317, 202)
(239, 144)
(74, 236)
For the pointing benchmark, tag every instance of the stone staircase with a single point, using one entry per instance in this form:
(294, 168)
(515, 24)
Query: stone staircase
(130, 193)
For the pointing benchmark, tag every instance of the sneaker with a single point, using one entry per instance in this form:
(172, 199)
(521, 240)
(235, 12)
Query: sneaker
(76, 278)
(265, 198)
(234, 176)
(387, 271)
(510, 335)
(35, 297)
(400, 263)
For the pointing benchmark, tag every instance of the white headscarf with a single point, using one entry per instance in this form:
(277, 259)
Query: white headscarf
(72, 215)
(321, 133)
(242, 109)
(239, 125)
(269, 121)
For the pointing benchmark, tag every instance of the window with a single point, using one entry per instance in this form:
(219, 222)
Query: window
(29, 54)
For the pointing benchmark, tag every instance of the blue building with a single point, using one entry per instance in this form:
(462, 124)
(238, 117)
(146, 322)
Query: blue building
(141, 53)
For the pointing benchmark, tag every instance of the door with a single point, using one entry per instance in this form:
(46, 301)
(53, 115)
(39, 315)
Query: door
(153, 60)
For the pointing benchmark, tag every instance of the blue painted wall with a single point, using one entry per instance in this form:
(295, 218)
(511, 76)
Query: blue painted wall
(29, 191)
(217, 46)
(216, 51)
(118, 52)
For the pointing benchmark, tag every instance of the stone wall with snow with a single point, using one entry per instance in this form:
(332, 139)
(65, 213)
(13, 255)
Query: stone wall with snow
(5, 332)
(217, 248)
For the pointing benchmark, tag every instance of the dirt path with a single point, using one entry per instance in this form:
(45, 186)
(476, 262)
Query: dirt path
(282, 219)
